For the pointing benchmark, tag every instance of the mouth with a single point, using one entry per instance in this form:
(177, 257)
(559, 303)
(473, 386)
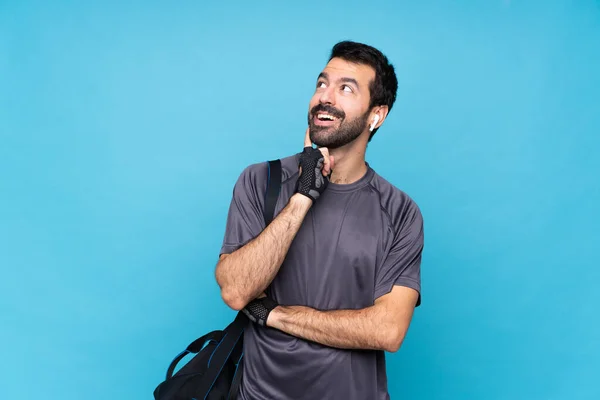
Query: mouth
(324, 119)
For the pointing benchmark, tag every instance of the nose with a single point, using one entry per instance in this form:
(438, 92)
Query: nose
(327, 96)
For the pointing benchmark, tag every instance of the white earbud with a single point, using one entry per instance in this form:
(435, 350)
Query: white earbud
(375, 121)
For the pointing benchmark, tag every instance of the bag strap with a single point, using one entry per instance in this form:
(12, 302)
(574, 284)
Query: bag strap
(273, 187)
(272, 194)
(237, 380)
(194, 348)
(234, 332)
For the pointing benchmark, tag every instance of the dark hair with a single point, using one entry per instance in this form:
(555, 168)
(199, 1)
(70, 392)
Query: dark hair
(383, 88)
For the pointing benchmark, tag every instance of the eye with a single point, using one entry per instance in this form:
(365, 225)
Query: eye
(347, 89)
(321, 85)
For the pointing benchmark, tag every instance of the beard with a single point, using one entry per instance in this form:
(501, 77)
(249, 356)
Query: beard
(331, 137)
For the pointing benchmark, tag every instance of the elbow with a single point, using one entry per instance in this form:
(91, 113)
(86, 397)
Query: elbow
(230, 297)
(393, 346)
(233, 301)
(393, 341)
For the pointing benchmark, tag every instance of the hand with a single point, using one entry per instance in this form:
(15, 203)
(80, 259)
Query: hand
(258, 309)
(315, 168)
(327, 159)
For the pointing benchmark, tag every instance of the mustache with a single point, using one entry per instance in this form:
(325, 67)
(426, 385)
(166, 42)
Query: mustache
(328, 110)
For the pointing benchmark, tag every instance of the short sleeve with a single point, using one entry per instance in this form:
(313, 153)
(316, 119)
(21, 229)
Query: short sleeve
(245, 218)
(402, 263)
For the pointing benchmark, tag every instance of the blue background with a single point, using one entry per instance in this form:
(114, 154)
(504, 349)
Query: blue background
(124, 127)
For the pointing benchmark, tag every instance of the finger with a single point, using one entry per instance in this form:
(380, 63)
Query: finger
(326, 160)
(307, 141)
(331, 163)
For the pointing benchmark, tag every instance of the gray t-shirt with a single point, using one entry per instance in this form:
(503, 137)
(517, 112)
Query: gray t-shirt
(355, 243)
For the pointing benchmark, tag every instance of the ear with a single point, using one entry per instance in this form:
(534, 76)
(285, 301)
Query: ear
(377, 117)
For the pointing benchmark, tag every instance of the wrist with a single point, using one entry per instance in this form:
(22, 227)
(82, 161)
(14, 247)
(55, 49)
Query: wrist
(276, 317)
(301, 201)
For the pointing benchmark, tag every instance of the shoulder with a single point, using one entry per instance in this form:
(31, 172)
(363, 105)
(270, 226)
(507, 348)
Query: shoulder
(400, 208)
(254, 177)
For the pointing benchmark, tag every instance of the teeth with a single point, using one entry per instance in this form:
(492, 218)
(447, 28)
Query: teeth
(325, 116)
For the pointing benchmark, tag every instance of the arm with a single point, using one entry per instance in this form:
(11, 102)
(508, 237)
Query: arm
(249, 270)
(382, 326)
(245, 273)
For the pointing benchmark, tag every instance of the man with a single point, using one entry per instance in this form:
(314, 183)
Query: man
(332, 282)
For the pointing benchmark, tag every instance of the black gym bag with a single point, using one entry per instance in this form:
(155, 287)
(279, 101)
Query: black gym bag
(215, 372)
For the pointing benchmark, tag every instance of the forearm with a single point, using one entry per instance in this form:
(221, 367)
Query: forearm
(247, 272)
(367, 329)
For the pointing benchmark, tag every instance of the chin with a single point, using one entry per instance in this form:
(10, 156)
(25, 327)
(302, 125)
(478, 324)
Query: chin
(321, 137)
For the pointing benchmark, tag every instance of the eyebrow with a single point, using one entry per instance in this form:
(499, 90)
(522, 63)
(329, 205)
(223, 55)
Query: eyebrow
(345, 79)
(351, 80)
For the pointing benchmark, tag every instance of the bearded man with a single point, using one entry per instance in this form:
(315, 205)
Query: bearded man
(331, 283)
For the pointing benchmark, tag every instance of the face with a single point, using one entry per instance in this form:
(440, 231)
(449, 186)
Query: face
(339, 109)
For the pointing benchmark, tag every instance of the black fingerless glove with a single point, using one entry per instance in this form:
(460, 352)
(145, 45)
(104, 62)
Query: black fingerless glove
(258, 310)
(311, 181)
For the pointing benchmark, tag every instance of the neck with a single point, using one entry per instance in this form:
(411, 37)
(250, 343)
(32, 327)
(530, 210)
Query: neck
(349, 163)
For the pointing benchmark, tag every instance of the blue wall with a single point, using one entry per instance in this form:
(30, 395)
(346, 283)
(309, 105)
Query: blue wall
(124, 127)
